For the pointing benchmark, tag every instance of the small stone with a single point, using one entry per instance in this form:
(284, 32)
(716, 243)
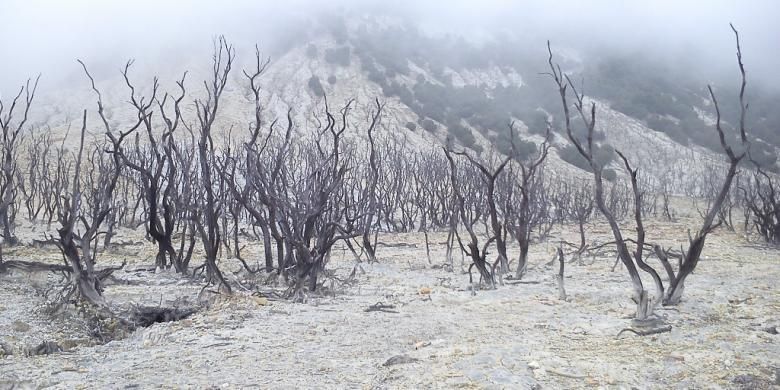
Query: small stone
(534, 365)
(260, 301)
(20, 326)
(425, 291)
(399, 359)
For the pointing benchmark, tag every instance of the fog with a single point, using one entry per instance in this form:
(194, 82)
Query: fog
(46, 36)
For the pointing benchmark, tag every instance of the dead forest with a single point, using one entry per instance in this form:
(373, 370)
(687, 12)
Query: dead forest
(299, 191)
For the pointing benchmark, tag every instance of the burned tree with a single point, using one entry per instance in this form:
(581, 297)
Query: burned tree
(762, 205)
(314, 210)
(488, 177)
(9, 150)
(33, 185)
(207, 219)
(690, 257)
(155, 165)
(77, 247)
(526, 205)
(469, 215)
(585, 148)
(578, 207)
(371, 189)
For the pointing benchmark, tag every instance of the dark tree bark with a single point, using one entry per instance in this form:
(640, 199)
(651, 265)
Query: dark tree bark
(9, 150)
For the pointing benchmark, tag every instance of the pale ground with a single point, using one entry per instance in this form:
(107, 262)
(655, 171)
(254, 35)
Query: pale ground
(518, 336)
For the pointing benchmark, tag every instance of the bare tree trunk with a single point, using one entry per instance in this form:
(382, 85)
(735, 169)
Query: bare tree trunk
(561, 263)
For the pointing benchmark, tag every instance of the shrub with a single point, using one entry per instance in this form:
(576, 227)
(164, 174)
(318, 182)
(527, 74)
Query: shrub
(602, 154)
(411, 126)
(316, 86)
(463, 134)
(338, 56)
(332, 80)
(429, 125)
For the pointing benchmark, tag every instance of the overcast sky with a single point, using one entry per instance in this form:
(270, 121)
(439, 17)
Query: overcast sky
(47, 35)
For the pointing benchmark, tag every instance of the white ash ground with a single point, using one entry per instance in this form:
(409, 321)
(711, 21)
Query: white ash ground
(518, 336)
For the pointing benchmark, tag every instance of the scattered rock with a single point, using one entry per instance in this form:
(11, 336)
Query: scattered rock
(260, 301)
(400, 359)
(45, 348)
(20, 326)
(421, 344)
(770, 329)
(534, 365)
(425, 291)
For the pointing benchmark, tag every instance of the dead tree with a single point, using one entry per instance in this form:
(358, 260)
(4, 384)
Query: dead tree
(9, 150)
(57, 182)
(559, 277)
(263, 182)
(207, 220)
(469, 216)
(690, 257)
(314, 210)
(77, 247)
(488, 177)
(528, 207)
(32, 183)
(373, 178)
(577, 204)
(185, 199)
(585, 148)
(155, 165)
(762, 204)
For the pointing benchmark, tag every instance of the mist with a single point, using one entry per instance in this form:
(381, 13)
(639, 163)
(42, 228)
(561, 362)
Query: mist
(46, 36)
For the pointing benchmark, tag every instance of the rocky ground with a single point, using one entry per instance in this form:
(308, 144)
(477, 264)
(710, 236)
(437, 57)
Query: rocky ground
(434, 333)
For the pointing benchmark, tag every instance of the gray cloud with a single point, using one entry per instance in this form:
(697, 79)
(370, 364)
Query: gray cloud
(47, 35)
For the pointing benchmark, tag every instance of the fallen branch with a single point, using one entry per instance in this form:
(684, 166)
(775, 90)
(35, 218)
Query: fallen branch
(379, 306)
(396, 245)
(646, 332)
(513, 282)
(33, 266)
